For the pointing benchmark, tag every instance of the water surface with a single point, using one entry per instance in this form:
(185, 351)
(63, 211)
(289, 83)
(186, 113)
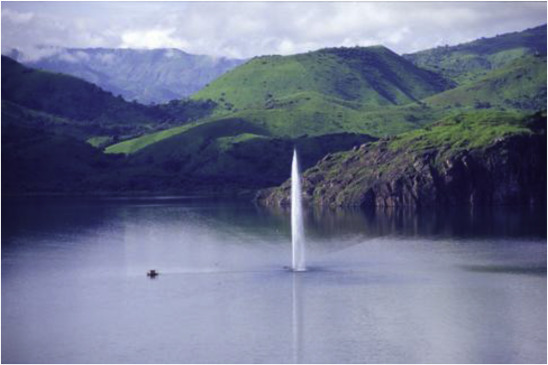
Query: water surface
(458, 286)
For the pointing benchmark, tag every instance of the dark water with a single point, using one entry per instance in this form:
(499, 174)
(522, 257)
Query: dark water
(458, 286)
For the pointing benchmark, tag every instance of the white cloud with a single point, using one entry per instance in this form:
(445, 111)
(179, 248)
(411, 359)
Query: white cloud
(106, 58)
(65, 56)
(286, 46)
(33, 53)
(246, 29)
(72, 57)
(152, 38)
(16, 17)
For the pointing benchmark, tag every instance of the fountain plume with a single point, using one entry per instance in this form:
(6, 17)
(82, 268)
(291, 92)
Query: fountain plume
(297, 226)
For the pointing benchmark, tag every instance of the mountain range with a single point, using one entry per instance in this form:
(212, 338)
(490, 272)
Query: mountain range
(146, 76)
(236, 134)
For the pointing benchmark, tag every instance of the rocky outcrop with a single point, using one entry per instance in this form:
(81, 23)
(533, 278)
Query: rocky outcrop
(507, 170)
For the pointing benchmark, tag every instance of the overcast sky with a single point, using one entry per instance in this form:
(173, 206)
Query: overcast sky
(247, 29)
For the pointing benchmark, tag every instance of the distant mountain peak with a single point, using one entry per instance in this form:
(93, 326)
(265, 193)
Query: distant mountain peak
(145, 75)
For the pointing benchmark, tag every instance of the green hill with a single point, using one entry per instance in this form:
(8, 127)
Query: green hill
(314, 114)
(374, 91)
(135, 144)
(226, 155)
(70, 105)
(481, 148)
(305, 114)
(521, 85)
(239, 132)
(291, 97)
(372, 77)
(329, 91)
(65, 96)
(470, 61)
(25, 117)
(50, 122)
(482, 157)
(38, 161)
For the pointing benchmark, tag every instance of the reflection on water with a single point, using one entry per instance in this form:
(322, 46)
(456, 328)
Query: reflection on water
(389, 286)
(297, 318)
(458, 222)
(49, 214)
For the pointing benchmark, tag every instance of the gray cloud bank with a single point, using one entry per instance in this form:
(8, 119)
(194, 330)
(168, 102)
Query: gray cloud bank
(246, 29)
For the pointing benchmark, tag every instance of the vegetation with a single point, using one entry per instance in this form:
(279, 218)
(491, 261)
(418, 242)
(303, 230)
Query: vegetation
(147, 76)
(68, 105)
(372, 76)
(238, 133)
(35, 160)
(463, 131)
(520, 85)
(468, 62)
(66, 96)
(324, 92)
(481, 157)
(136, 144)
(228, 155)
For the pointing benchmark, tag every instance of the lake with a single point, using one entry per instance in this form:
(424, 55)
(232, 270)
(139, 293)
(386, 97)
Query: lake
(392, 286)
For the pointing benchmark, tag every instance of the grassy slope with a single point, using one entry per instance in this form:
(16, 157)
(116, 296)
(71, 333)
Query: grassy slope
(136, 144)
(65, 96)
(472, 132)
(236, 154)
(17, 114)
(65, 104)
(356, 89)
(96, 134)
(328, 91)
(414, 158)
(372, 76)
(463, 131)
(314, 114)
(468, 62)
(311, 119)
(519, 85)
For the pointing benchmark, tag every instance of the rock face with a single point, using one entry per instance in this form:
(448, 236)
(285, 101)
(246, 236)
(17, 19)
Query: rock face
(509, 169)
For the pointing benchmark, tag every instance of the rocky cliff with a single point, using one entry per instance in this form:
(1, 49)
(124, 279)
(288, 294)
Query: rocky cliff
(486, 158)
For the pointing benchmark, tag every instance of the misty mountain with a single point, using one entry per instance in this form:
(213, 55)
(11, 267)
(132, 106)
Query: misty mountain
(147, 76)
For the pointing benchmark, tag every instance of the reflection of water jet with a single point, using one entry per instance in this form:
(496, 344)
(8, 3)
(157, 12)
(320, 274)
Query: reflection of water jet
(297, 321)
(297, 227)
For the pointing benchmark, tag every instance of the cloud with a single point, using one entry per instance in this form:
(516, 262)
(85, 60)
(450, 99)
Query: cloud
(246, 29)
(41, 35)
(105, 58)
(152, 38)
(16, 17)
(72, 57)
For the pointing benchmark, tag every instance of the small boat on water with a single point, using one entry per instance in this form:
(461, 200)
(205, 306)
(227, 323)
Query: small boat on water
(152, 273)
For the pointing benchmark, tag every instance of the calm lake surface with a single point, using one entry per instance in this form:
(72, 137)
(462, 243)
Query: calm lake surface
(458, 286)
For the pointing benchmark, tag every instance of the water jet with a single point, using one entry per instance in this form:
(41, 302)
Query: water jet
(297, 226)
